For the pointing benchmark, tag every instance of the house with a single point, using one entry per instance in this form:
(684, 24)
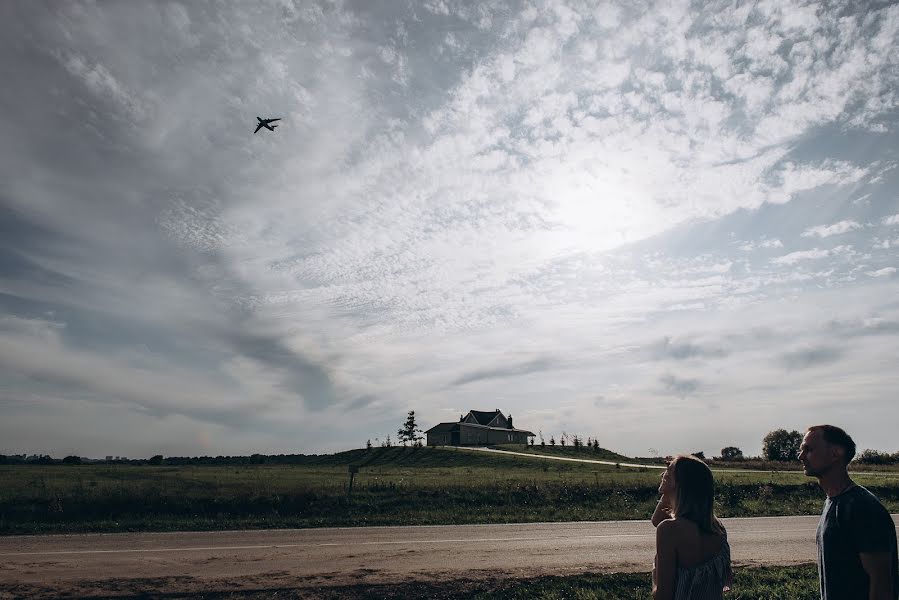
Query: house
(478, 428)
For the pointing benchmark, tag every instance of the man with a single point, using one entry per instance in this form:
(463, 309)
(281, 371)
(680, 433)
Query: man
(856, 536)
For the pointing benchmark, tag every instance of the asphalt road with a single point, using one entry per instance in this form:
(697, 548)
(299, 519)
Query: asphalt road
(190, 561)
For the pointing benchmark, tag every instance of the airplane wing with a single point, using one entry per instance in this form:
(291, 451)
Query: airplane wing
(258, 127)
(272, 120)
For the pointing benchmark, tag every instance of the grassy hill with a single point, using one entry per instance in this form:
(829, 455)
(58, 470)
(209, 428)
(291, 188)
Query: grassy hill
(448, 456)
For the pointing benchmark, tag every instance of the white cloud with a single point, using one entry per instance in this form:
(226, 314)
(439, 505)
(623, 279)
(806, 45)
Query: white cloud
(750, 246)
(98, 79)
(794, 257)
(881, 272)
(823, 231)
(891, 220)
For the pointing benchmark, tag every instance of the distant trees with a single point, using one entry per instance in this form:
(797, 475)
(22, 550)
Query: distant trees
(409, 432)
(781, 444)
(700, 455)
(71, 460)
(731, 453)
(155, 460)
(873, 457)
(368, 444)
(568, 440)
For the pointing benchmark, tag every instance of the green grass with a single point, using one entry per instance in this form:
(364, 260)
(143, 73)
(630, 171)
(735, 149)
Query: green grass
(394, 486)
(758, 583)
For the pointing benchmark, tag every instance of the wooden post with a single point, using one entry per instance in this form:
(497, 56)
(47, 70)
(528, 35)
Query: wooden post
(353, 470)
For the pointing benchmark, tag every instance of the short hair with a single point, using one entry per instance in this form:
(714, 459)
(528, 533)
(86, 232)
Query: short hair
(836, 436)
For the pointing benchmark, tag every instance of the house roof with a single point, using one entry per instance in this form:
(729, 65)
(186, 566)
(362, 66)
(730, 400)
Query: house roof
(484, 417)
(443, 428)
(448, 427)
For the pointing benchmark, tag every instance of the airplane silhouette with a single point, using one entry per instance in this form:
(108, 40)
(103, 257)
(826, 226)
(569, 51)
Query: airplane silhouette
(265, 123)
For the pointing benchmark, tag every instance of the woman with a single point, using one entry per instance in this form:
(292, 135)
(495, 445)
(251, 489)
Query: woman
(692, 554)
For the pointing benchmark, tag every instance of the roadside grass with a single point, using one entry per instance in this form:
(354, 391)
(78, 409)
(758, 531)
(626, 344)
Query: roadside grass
(798, 582)
(394, 486)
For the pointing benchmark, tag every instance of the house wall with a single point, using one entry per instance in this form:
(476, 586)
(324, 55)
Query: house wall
(477, 436)
(439, 439)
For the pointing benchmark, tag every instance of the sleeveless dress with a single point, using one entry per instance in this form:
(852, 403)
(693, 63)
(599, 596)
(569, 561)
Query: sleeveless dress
(707, 580)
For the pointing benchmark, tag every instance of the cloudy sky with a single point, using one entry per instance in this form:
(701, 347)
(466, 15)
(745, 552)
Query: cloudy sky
(672, 226)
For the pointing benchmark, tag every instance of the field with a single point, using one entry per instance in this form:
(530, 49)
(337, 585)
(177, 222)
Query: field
(393, 486)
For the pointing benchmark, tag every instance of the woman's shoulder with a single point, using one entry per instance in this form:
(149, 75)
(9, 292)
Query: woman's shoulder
(685, 529)
(676, 528)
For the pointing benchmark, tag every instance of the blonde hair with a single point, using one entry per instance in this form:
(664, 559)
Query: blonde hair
(695, 494)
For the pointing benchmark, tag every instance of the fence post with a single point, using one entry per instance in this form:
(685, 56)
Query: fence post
(353, 470)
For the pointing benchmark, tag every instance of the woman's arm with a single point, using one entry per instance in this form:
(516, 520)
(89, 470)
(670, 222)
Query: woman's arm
(662, 511)
(666, 561)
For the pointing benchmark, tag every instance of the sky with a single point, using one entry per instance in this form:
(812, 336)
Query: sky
(670, 226)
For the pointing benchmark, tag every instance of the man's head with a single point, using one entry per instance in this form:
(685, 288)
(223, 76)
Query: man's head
(824, 448)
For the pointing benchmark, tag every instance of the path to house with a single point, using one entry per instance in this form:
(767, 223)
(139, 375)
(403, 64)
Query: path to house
(637, 465)
(185, 562)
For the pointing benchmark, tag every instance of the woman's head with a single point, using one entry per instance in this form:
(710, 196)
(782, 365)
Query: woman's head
(693, 489)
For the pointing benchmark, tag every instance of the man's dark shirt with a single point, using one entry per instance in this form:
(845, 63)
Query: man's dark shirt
(851, 523)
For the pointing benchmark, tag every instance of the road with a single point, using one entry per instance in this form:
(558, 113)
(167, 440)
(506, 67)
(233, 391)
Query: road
(888, 474)
(192, 561)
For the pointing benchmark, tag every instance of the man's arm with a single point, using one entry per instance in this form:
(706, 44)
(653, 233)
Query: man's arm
(877, 566)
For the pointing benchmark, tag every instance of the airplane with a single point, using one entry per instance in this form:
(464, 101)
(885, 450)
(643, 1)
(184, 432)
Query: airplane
(265, 123)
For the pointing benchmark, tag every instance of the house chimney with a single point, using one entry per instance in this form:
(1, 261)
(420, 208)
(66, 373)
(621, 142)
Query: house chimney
(510, 422)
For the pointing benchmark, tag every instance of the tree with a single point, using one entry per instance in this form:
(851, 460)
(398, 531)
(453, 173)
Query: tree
(731, 453)
(781, 444)
(700, 455)
(552, 441)
(409, 432)
(595, 445)
(155, 460)
(368, 444)
(873, 457)
(71, 460)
